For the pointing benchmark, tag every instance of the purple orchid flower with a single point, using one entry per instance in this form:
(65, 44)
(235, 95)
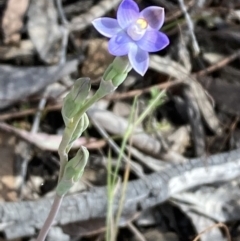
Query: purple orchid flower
(134, 33)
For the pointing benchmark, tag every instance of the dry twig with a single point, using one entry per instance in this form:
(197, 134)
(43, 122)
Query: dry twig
(190, 24)
(218, 225)
(218, 65)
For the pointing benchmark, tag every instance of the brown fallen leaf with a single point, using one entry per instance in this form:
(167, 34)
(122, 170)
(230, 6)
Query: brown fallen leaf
(12, 20)
(98, 58)
(49, 142)
(25, 48)
(8, 180)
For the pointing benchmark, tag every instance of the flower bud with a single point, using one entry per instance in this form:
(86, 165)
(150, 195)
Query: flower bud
(81, 90)
(75, 99)
(117, 80)
(117, 71)
(73, 171)
(114, 75)
(121, 65)
(81, 127)
(110, 73)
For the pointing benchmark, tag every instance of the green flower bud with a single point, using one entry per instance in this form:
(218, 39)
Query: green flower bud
(75, 99)
(81, 127)
(110, 73)
(117, 80)
(114, 75)
(121, 64)
(117, 71)
(105, 88)
(73, 171)
(81, 90)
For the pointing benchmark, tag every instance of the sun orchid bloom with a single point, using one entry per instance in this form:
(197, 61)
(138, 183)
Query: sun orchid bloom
(134, 33)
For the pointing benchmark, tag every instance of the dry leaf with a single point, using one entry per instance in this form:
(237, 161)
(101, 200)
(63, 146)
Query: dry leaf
(8, 180)
(98, 58)
(12, 21)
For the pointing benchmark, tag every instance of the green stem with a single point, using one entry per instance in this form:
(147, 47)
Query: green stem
(105, 88)
(111, 222)
(127, 134)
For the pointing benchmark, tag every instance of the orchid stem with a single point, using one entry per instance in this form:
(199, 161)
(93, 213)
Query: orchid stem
(51, 216)
(63, 161)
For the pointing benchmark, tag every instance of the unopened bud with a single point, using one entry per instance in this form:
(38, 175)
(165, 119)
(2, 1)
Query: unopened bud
(114, 75)
(75, 99)
(119, 79)
(73, 171)
(110, 73)
(117, 71)
(121, 64)
(81, 90)
(81, 127)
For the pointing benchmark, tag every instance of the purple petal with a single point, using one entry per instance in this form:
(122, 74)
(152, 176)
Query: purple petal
(154, 16)
(119, 44)
(107, 26)
(127, 13)
(139, 59)
(153, 41)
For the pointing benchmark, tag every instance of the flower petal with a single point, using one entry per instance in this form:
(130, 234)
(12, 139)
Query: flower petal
(139, 59)
(153, 41)
(154, 16)
(119, 44)
(107, 26)
(127, 13)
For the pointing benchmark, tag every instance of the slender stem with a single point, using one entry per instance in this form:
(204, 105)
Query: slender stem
(64, 147)
(111, 223)
(63, 161)
(127, 134)
(127, 172)
(51, 216)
